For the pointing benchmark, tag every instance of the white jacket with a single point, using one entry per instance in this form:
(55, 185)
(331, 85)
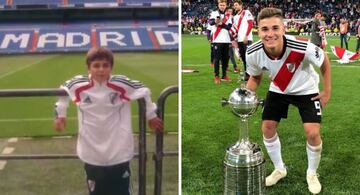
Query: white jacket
(104, 115)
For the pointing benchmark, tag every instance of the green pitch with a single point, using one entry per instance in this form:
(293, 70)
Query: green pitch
(34, 116)
(208, 129)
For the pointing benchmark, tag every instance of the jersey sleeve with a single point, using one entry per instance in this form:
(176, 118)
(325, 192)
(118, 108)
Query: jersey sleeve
(61, 107)
(73, 84)
(249, 16)
(213, 15)
(314, 55)
(252, 67)
(134, 90)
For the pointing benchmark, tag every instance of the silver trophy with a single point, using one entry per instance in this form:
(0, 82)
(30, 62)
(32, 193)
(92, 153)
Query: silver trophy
(244, 162)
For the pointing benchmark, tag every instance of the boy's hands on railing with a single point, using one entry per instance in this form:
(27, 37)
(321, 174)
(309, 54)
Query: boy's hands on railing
(59, 124)
(156, 124)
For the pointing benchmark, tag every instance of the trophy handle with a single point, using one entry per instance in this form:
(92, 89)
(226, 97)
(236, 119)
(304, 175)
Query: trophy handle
(262, 102)
(224, 102)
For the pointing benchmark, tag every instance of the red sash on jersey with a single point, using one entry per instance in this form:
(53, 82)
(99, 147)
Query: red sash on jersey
(239, 22)
(218, 29)
(288, 69)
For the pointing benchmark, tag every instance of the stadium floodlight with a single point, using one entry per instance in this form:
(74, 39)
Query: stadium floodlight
(244, 163)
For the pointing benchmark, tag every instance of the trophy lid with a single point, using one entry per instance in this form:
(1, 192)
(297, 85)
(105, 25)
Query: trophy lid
(243, 102)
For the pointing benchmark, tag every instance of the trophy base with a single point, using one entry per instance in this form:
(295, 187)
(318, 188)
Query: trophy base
(245, 169)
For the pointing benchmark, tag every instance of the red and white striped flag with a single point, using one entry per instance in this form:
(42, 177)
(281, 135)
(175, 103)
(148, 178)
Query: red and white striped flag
(344, 55)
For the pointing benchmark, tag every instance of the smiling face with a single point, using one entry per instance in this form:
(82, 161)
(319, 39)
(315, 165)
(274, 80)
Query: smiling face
(100, 70)
(222, 6)
(237, 6)
(271, 31)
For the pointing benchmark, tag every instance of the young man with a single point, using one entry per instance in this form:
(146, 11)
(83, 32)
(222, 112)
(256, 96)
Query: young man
(293, 81)
(344, 29)
(316, 38)
(105, 140)
(241, 30)
(221, 40)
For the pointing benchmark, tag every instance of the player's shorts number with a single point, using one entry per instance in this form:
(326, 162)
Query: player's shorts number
(318, 107)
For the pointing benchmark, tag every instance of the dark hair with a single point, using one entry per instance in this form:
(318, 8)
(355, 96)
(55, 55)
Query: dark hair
(238, 1)
(98, 53)
(269, 12)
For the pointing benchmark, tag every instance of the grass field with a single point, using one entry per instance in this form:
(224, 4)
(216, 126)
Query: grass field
(207, 128)
(66, 177)
(34, 116)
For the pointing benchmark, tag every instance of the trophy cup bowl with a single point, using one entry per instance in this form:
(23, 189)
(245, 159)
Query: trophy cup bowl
(243, 102)
(244, 163)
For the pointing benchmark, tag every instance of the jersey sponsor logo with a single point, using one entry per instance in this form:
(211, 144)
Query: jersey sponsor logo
(113, 97)
(264, 68)
(87, 100)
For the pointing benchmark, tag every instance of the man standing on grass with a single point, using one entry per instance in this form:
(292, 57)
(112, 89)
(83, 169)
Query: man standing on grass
(289, 63)
(241, 30)
(316, 37)
(105, 140)
(221, 40)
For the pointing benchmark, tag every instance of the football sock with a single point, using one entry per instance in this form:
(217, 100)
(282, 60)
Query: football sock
(273, 147)
(314, 156)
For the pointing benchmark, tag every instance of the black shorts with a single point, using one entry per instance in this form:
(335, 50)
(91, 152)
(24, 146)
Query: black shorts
(108, 180)
(276, 107)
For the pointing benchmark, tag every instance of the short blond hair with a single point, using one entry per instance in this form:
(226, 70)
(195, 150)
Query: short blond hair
(269, 12)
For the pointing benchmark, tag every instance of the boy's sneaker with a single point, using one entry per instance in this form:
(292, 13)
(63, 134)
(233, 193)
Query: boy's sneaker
(217, 80)
(313, 183)
(225, 78)
(275, 176)
(236, 70)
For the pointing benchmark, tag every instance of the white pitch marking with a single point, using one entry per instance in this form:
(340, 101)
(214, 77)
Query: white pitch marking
(12, 140)
(24, 67)
(2, 164)
(8, 150)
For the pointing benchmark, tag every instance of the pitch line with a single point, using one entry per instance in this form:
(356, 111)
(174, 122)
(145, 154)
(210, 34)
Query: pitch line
(68, 118)
(25, 67)
(7, 150)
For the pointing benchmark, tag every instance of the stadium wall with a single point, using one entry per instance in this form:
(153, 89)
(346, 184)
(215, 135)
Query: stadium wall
(82, 39)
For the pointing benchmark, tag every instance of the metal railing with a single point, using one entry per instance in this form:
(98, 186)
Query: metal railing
(159, 153)
(60, 92)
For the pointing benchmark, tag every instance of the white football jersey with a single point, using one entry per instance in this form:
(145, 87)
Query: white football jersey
(218, 34)
(104, 115)
(240, 25)
(293, 73)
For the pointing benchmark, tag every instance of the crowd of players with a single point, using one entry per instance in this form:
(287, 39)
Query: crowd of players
(233, 32)
(195, 13)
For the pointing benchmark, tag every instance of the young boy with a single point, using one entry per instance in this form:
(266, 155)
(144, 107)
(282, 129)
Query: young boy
(105, 140)
(289, 63)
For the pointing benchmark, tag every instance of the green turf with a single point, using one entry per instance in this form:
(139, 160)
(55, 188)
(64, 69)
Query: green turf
(207, 128)
(33, 116)
(66, 176)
